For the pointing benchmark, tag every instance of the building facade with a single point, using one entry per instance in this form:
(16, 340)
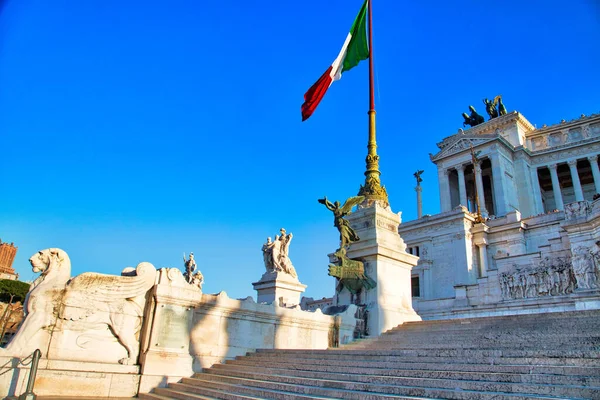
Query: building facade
(7, 257)
(536, 248)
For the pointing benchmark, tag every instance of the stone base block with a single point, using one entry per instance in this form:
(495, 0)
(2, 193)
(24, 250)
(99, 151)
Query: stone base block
(70, 378)
(280, 287)
(150, 382)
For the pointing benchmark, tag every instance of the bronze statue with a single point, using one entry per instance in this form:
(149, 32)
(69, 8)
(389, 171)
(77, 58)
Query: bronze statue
(494, 108)
(501, 108)
(474, 119)
(347, 234)
(418, 176)
(490, 107)
(350, 273)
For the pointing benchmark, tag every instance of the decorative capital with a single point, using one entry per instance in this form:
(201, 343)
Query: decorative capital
(373, 190)
(553, 166)
(593, 158)
(572, 163)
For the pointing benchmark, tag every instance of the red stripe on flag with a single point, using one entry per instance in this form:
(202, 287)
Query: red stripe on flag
(313, 96)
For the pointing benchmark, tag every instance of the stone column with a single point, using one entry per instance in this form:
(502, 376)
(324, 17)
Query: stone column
(480, 234)
(419, 189)
(480, 194)
(575, 179)
(426, 284)
(556, 187)
(595, 171)
(462, 188)
(538, 204)
(500, 190)
(483, 267)
(445, 203)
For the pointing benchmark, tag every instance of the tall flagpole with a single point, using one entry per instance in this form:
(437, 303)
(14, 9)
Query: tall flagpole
(372, 190)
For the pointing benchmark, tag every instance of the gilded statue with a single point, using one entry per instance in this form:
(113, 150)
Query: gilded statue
(347, 234)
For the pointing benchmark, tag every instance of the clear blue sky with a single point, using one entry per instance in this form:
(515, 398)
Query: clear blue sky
(138, 130)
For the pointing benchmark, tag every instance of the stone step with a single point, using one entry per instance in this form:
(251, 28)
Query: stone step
(516, 333)
(256, 390)
(497, 334)
(537, 341)
(353, 390)
(559, 324)
(74, 398)
(169, 396)
(388, 384)
(484, 346)
(344, 360)
(544, 329)
(386, 354)
(380, 367)
(183, 392)
(517, 330)
(481, 343)
(567, 315)
(366, 374)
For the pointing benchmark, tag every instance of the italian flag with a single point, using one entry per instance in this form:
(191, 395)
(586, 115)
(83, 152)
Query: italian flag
(353, 51)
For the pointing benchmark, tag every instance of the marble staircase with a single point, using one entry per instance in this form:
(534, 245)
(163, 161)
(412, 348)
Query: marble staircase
(538, 356)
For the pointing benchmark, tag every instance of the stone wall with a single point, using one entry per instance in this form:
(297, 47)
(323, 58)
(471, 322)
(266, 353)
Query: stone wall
(181, 332)
(224, 328)
(548, 262)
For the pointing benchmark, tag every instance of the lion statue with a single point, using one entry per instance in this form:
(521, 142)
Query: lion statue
(89, 299)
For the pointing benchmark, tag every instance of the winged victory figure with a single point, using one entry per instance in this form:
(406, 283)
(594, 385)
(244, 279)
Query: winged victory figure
(347, 234)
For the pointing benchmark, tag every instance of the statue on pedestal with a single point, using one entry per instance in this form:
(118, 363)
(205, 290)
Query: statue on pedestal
(350, 273)
(190, 268)
(276, 254)
(417, 175)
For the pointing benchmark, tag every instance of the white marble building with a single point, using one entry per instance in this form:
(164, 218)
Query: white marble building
(537, 251)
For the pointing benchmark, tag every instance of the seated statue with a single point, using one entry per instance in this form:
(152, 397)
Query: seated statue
(81, 304)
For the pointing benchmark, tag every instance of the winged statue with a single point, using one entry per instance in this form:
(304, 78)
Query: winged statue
(347, 234)
(87, 301)
(495, 107)
(418, 176)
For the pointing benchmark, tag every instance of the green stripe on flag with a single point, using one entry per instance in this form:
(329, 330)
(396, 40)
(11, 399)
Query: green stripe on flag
(358, 49)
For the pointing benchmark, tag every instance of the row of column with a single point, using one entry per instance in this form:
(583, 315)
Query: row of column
(558, 200)
(462, 188)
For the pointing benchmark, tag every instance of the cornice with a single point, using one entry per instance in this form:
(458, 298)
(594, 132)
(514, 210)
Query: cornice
(562, 152)
(564, 125)
(489, 129)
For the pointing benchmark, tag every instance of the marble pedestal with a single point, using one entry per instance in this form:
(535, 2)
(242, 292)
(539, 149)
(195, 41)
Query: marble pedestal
(165, 354)
(386, 261)
(278, 286)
